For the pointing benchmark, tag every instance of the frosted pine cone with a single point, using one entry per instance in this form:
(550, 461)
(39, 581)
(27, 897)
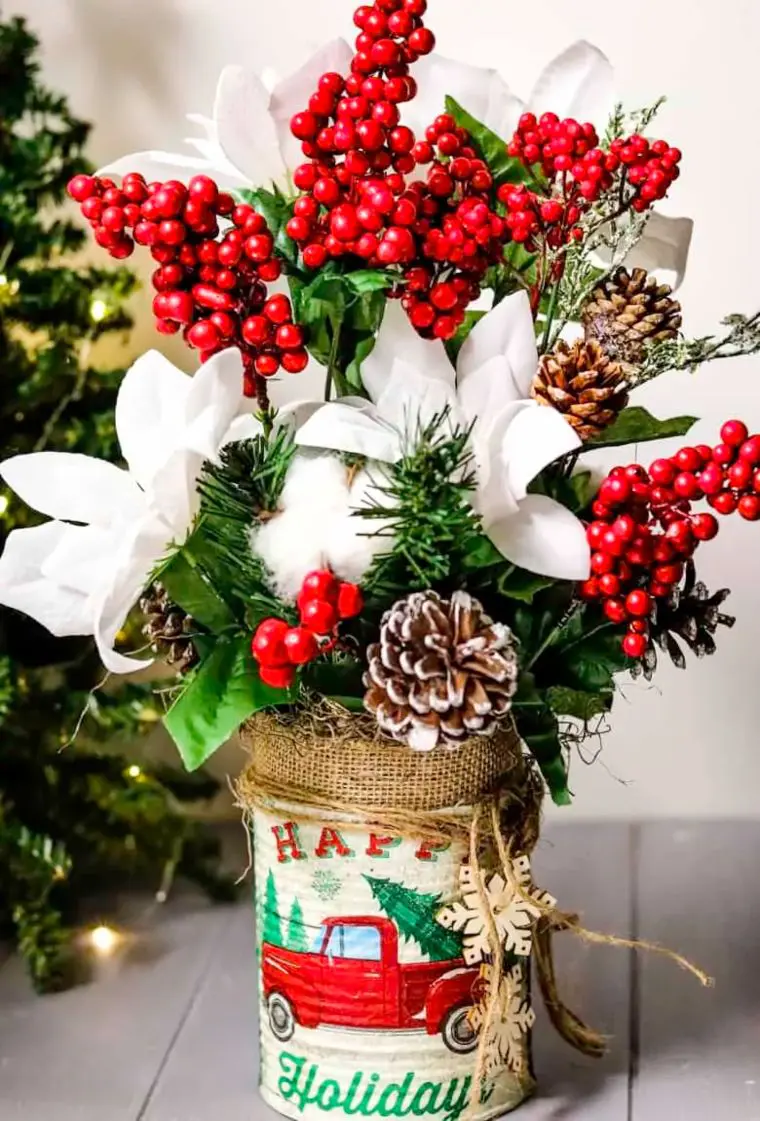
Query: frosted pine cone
(627, 310)
(441, 672)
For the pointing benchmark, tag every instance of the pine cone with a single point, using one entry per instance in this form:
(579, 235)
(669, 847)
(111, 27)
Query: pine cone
(691, 613)
(441, 672)
(583, 384)
(168, 627)
(626, 311)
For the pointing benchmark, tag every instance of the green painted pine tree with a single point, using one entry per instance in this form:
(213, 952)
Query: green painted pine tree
(297, 938)
(271, 930)
(414, 913)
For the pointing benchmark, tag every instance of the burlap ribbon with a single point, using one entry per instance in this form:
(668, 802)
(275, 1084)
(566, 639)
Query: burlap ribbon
(486, 795)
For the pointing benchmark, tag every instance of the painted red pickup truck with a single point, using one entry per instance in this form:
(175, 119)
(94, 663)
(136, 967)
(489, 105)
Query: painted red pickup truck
(353, 978)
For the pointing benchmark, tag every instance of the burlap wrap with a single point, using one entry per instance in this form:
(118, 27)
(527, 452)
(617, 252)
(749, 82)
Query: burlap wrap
(345, 764)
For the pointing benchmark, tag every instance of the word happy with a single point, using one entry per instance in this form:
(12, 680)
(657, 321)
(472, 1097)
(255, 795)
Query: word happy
(363, 1096)
(331, 843)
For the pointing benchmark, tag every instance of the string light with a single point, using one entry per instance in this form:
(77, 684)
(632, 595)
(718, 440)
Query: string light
(98, 310)
(134, 771)
(104, 940)
(4, 503)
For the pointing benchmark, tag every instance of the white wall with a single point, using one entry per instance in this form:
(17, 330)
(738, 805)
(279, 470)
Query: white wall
(688, 745)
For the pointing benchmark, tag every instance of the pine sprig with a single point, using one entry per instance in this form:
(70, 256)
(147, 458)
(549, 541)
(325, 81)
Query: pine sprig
(424, 503)
(741, 337)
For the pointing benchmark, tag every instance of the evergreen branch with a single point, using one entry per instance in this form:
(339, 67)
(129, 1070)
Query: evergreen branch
(624, 121)
(424, 505)
(741, 338)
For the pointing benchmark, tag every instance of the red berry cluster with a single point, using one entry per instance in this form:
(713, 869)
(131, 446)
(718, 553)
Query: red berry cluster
(579, 171)
(352, 135)
(322, 603)
(212, 288)
(645, 528)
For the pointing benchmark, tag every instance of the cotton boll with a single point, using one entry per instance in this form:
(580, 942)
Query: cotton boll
(357, 540)
(296, 541)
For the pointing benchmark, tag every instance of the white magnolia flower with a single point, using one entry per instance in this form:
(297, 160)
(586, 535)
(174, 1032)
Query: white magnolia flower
(578, 83)
(81, 573)
(248, 141)
(409, 380)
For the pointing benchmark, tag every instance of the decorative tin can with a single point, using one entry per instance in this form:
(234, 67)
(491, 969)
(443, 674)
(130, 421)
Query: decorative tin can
(369, 994)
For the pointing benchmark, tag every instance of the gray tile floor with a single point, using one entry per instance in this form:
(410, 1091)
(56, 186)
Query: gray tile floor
(167, 1031)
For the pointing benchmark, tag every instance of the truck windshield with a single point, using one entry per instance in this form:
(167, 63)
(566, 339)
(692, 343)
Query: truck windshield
(319, 940)
(359, 943)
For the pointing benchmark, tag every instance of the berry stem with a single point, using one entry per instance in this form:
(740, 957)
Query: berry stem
(262, 398)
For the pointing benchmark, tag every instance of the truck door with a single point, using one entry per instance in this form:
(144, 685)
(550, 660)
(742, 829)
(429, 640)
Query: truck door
(353, 989)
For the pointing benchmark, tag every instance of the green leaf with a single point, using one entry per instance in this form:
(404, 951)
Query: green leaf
(223, 692)
(482, 554)
(517, 583)
(364, 348)
(276, 209)
(538, 728)
(455, 344)
(369, 280)
(341, 679)
(636, 425)
(584, 655)
(188, 587)
(503, 167)
(578, 704)
(576, 493)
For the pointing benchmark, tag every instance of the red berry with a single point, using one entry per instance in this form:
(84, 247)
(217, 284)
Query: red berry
(444, 296)
(624, 527)
(203, 336)
(635, 645)
(294, 361)
(724, 503)
(749, 507)
(289, 337)
(667, 573)
(749, 452)
(615, 610)
(317, 614)
(688, 459)
(686, 486)
(704, 526)
(609, 584)
(304, 126)
(711, 479)
(203, 189)
(739, 474)
(638, 602)
(268, 642)
(267, 365)
(301, 645)
(723, 454)
(350, 601)
(589, 589)
(320, 584)
(314, 256)
(277, 677)
(277, 309)
(734, 433)
(680, 536)
(662, 472)
(258, 247)
(601, 563)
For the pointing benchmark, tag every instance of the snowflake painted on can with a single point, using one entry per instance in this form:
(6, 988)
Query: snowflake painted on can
(327, 885)
(515, 907)
(507, 1033)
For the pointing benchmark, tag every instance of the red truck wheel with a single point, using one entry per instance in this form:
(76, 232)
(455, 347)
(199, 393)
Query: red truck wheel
(457, 1032)
(281, 1018)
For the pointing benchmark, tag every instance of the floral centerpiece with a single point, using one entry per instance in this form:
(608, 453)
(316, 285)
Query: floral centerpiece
(413, 595)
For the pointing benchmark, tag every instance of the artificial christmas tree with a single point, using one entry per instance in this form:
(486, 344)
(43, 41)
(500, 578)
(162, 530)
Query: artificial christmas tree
(72, 814)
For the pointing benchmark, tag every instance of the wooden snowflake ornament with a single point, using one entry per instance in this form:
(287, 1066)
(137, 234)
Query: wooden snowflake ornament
(506, 1031)
(515, 907)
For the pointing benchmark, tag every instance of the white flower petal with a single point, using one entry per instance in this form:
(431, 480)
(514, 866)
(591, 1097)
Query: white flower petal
(411, 400)
(359, 429)
(150, 409)
(292, 94)
(72, 487)
(664, 248)
(244, 128)
(398, 340)
(507, 331)
(493, 498)
(23, 587)
(214, 398)
(536, 437)
(578, 83)
(157, 165)
(83, 559)
(242, 428)
(543, 537)
(479, 90)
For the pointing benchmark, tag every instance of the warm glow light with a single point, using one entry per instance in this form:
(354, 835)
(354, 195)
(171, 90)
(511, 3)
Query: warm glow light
(134, 771)
(4, 502)
(104, 939)
(98, 310)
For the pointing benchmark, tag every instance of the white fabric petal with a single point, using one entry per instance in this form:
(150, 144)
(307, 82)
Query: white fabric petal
(214, 398)
(242, 428)
(23, 587)
(493, 498)
(292, 95)
(359, 429)
(411, 400)
(244, 128)
(72, 487)
(479, 90)
(150, 408)
(578, 83)
(545, 538)
(83, 559)
(506, 331)
(664, 248)
(396, 340)
(536, 436)
(157, 165)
